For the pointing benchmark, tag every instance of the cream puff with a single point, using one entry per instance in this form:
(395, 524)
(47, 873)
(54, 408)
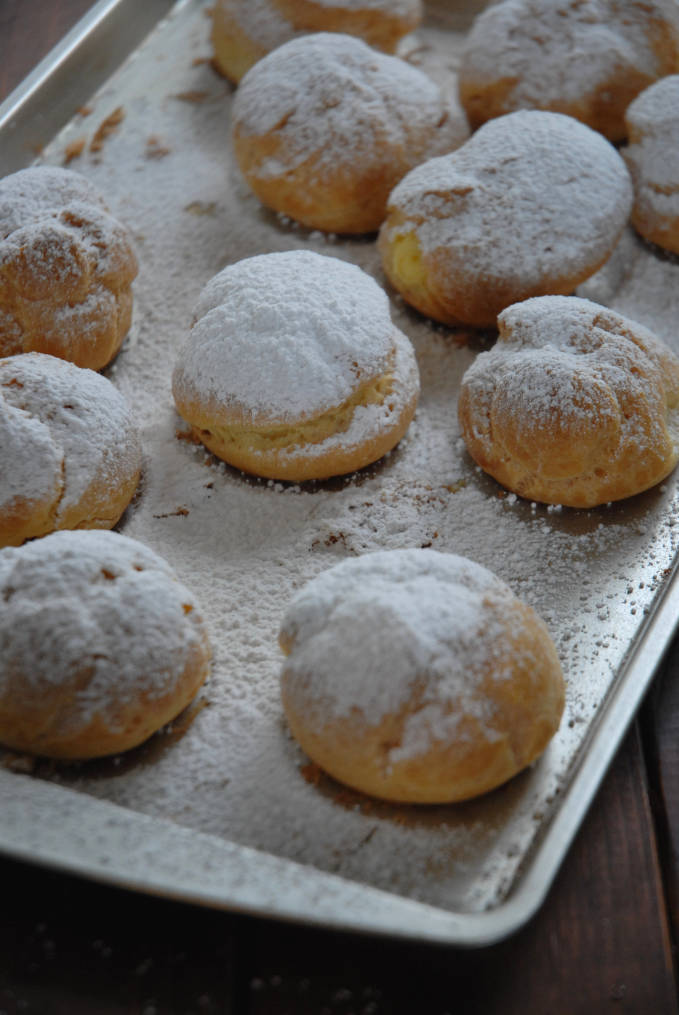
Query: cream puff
(294, 370)
(325, 127)
(588, 59)
(533, 204)
(66, 269)
(70, 452)
(244, 31)
(100, 645)
(418, 676)
(652, 157)
(574, 405)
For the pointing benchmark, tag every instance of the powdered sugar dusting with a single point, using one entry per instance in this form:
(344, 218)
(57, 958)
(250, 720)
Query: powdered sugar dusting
(99, 602)
(369, 421)
(653, 154)
(260, 21)
(570, 197)
(266, 24)
(66, 266)
(370, 629)
(566, 364)
(58, 210)
(30, 462)
(285, 337)
(64, 429)
(41, 192)
(245, 547)
(560, 51)
(332, 99)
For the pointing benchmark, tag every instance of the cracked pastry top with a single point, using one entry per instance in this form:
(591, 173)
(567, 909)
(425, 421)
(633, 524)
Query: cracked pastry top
(533, 204)
(418, 676)
(586, 58)
(70, 455)
(244, 31)
(293, 368)
(652, 157)
(325, 127)
(574, 405)
(100, 645)
(66, 269)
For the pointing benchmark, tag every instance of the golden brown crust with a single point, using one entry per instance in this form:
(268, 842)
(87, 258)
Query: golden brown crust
(604, 111)
(101, 508)
(35, 725)
(652, 157)
(69, 688)
(587, 60)
(70, 453)
(380, 24)
(352, 200)
(435, 282)
(459, 251)
(575, 405)
(324, 128)
(235, 51)
(332, 444)
(242, 36)
(476, 740)
(66, 269)
(662, 230)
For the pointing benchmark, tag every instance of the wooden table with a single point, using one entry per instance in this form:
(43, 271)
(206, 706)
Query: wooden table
(604, 940)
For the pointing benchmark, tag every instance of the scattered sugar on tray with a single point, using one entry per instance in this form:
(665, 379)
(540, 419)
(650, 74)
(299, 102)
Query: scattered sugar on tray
(640, 283)
(248, 547)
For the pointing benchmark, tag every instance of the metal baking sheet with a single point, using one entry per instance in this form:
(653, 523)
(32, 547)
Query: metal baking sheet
(223, 809)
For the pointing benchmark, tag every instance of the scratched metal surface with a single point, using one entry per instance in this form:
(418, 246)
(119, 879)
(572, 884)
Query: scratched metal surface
(223, 814)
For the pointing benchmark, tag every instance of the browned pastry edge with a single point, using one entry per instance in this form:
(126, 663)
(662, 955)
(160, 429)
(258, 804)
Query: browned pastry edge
(526, 705)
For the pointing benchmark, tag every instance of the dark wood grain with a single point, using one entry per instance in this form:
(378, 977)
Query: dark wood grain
(68, 947)
(28, 30)
(601, 943)
(660, 721)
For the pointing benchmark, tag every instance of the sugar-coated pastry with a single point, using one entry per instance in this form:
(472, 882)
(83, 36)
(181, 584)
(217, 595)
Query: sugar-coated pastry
(100, 645)
(574, 405)
(66, 269)
(243, 31)
(325, 127)
(586, 58)
(294, 370)
(532, 204)
(653, 160)
(70, 455)
(418, 676)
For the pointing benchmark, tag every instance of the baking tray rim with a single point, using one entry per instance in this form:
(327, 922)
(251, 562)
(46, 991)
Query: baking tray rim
(303, 894)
